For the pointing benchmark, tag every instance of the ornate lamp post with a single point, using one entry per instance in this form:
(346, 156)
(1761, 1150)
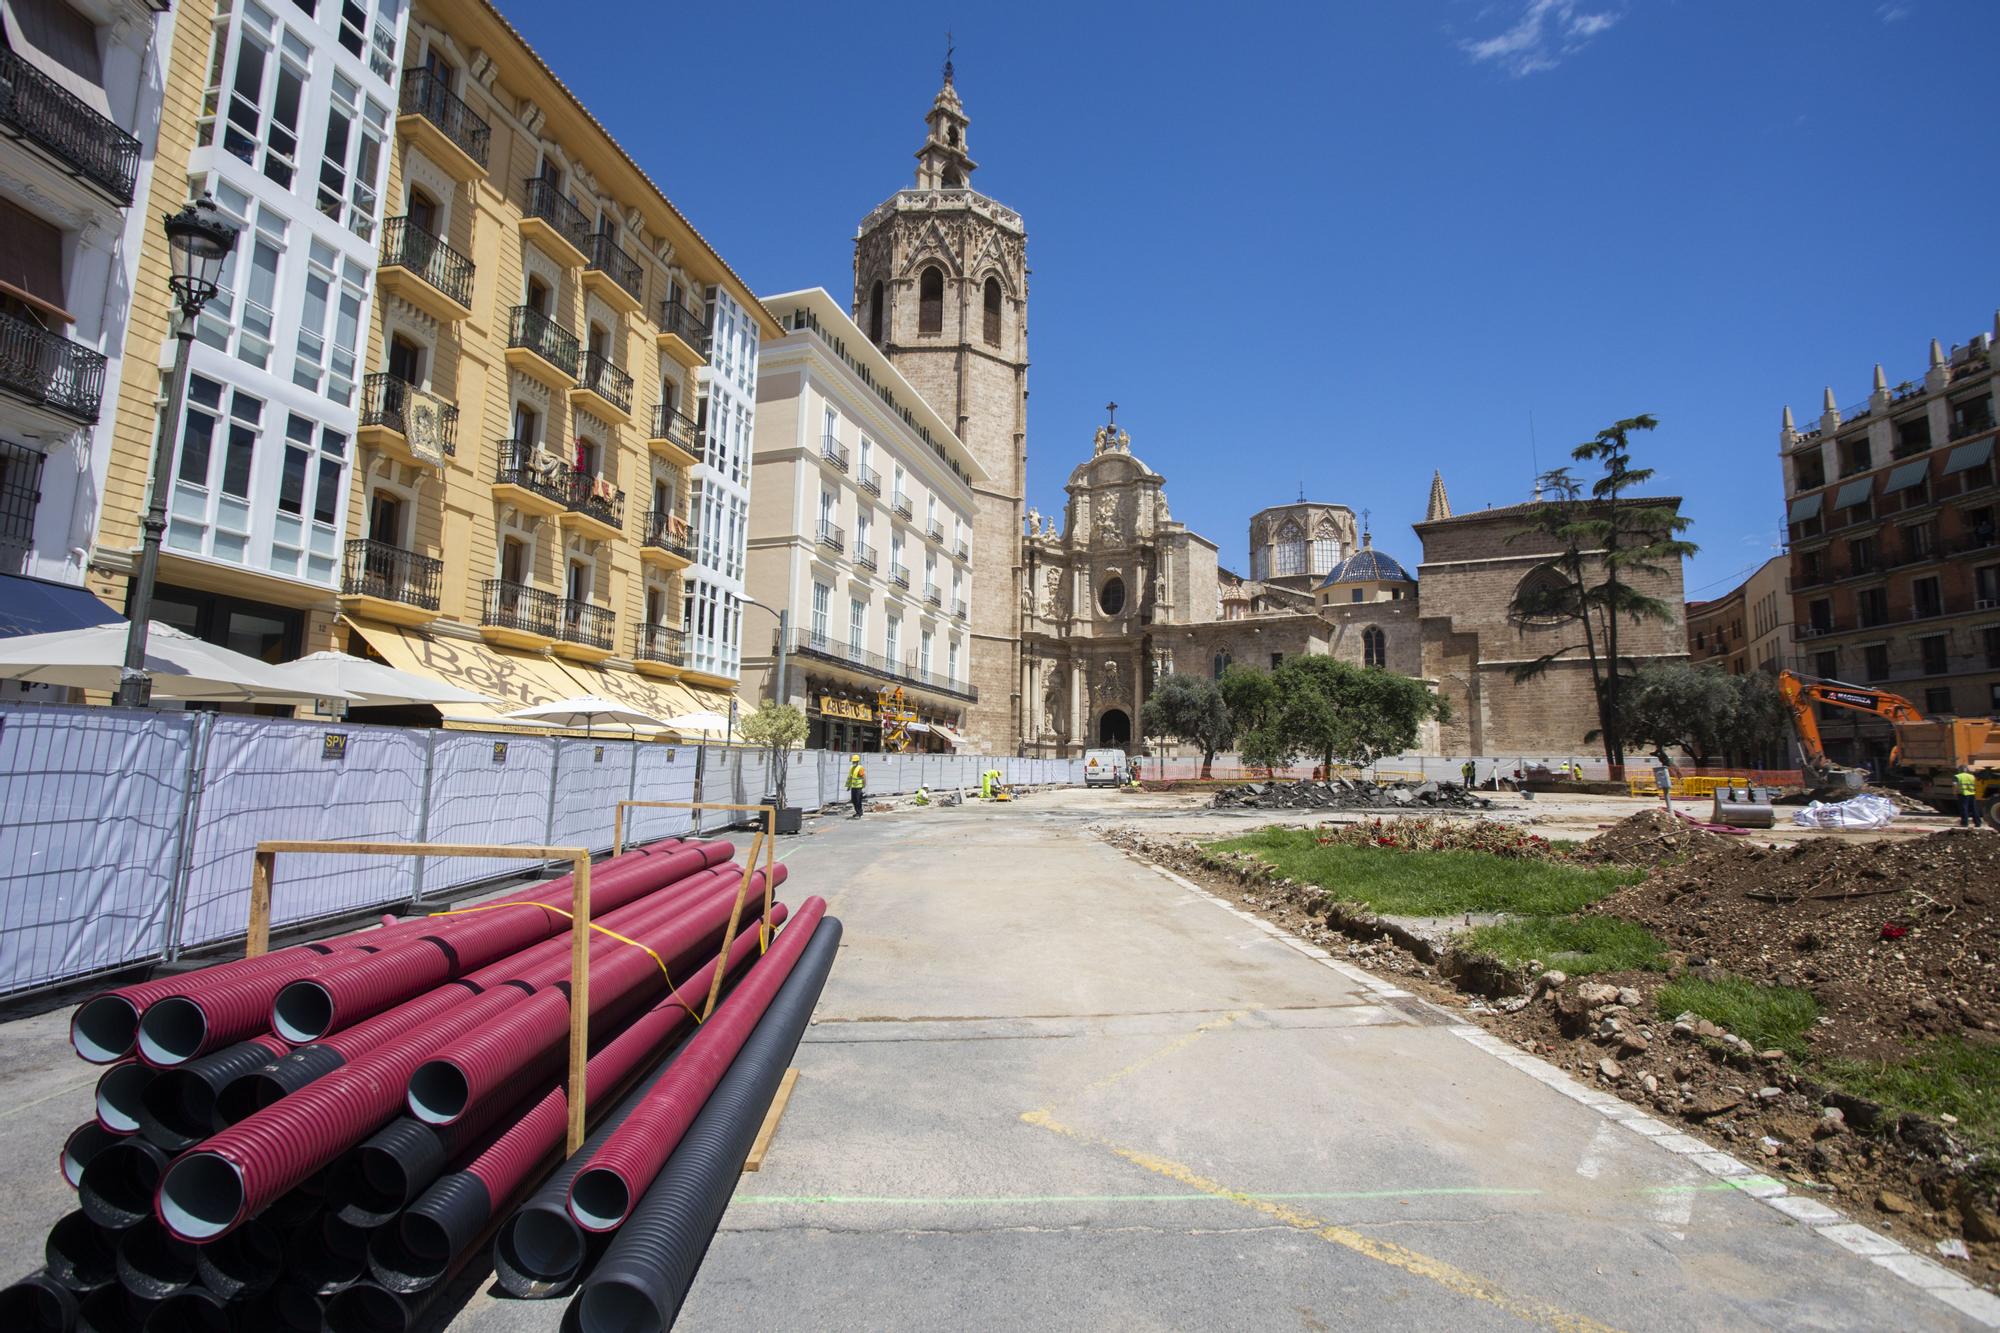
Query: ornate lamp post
(199, 238)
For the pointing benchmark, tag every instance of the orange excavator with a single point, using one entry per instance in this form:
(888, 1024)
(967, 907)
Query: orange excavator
(1927, 751)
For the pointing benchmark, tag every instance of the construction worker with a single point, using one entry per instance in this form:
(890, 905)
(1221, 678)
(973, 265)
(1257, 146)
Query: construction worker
(857, 783)
(986, 781)
(1968, 797)
(1469, 773)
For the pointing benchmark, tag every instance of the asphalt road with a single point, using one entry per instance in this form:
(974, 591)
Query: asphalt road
(1048, 1087)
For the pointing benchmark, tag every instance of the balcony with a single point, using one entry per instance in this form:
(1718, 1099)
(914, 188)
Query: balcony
(614, 275)
(539, 347)
(424, 271)
(833, 452)
(669, 543)
(602, 389)
(963, 550)
(901, 504)
(959, 610)
(594, 506)
(864, 556)
(831, 536)
(935, 531)
(405, 422)
(1815, 630)
(40, 112)
(48, 371)
(585, 631)
(659, 650)
(870, 480)
(932, 595)
(822, 647)
(387, 583)
(531, 479)
(552, 220)
(674, 437)
(683, 335)
(899, 575)
(431, 116)
(518, 615)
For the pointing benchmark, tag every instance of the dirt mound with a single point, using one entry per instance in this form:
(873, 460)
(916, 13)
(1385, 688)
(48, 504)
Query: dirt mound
(1896, 940)
(1343, 794)
(1648, 838)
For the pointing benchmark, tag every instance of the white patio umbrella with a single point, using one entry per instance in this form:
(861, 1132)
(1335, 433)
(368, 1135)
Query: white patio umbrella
(182, 666)
(702, 721)
(584, 711)
(371, 684)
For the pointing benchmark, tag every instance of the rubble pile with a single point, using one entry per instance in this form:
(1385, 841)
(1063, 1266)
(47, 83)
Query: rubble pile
(1346, 794)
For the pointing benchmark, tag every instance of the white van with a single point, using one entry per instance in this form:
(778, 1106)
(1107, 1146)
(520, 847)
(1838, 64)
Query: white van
(1104, 768)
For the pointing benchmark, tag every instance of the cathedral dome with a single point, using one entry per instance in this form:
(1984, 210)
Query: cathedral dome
(1368, 565)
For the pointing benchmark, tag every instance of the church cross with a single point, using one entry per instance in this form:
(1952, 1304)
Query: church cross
(1112, 408)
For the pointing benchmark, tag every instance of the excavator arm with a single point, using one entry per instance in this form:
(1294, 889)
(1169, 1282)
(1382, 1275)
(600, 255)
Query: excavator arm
(1800, 694)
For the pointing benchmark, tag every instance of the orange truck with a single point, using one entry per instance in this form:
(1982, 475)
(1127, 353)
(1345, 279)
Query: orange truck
(1927, 755)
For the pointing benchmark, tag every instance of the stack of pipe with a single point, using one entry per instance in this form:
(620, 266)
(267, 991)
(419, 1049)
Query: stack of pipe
(318, 1137)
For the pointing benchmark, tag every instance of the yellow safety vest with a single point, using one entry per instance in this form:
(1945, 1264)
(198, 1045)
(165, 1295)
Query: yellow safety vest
(856, 778)
(1967, 784)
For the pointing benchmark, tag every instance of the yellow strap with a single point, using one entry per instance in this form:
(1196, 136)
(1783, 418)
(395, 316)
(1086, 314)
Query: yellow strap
(672, 989)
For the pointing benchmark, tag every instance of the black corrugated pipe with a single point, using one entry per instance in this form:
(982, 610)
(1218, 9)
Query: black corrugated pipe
(244, 1262)
(199, 1310)
(385, 1174)
(80, 1254)
(84, 1142)
(152, 1265)
(119, 1184)
(325, 1254)
(644, 1276)
(299, 1310)
(38, 1304)
(178, 1108)
(112, 1309)
(262, 1085)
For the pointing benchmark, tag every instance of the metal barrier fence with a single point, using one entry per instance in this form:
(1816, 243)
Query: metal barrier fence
(1450, 768)
(127, 836)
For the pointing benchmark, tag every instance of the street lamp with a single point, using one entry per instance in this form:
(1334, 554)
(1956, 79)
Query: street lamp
(199, 239)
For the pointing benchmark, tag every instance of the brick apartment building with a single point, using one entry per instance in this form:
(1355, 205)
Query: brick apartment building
(1895, 553)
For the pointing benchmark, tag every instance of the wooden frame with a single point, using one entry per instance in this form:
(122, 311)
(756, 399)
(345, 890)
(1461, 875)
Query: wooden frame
(765, 843)
(264, 874)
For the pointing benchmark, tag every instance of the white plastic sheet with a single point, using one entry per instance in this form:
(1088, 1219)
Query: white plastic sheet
(1856, 812)
(482, 794)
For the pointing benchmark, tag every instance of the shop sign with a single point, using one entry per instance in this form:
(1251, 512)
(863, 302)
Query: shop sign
(854, 712)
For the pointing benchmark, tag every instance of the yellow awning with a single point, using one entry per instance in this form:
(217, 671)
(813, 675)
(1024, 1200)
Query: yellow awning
(663, 699)
(512, 680)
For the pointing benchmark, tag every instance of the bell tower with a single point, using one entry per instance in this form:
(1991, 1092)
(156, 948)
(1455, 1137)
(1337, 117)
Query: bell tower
(941, 286)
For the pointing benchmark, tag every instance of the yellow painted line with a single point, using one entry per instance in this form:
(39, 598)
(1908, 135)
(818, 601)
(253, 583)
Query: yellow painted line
(1416, 1264)
(1178, 1044)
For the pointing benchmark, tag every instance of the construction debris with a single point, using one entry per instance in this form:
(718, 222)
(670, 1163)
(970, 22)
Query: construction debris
(1346, 794)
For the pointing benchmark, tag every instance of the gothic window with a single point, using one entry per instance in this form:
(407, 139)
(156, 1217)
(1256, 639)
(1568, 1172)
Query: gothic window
(992, 325)
(1325, 549)
(1374, 647)
(1291, 552)
(1221, 662)
(875, 313)
(930, 301)
(1544, 597)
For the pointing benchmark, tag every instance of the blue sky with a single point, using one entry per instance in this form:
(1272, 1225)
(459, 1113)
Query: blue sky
(1341, 245)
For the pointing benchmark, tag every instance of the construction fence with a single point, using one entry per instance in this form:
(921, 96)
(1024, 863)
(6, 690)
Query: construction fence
(1688, 779)
(127, 836)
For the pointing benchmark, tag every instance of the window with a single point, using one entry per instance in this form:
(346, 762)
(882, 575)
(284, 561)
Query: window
(1808, 471)
(353, 155)
(830, 436)
(990, 325)
(1873, 605)
(1932, 649)
(1926, 599)
(1937, 700)
(330, 324)
(1986, 586)
(261, 115)
(1826, 664)
(1111, 597)
(822, 600)
(1969, 416)
(951, 659)
(1291, 551)
(892, 640)
(862, 523)
(1325, 553)
(876, 313)
(857, 624)
(1861, 555)
(1221, 662)
(1989, 645)
(1920, 541)
(1354, 596)
(311, 492)
(1875, 661)
(1854, 455)
(210, 505)
(930, 301)
(924, 652)
(1913, 435)
(1374, 647)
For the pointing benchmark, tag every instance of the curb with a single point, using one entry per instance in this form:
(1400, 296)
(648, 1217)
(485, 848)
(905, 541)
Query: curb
(1926, 1275)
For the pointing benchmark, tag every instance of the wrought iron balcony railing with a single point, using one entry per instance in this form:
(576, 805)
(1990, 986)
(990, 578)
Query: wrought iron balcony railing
(424, 94)
(535, 331)
(621, 268)
(864, 555)
(681, 429)
(595, 496)
(833, 451)
(683, 323)
(532, 468)
(936, 532)
(870, 479)
(830, 535)
(669, 532)
(958, 609)
(543, 200)
(585, 623)
(49, 370)
(406, 245)
(605, 380)
(36, 108)
(899, 575)
(519, 606)
(810, 643)
(427, 423)
(901, 504)
(932, 595)
(660, 643)
(963, 550)
(378, 569)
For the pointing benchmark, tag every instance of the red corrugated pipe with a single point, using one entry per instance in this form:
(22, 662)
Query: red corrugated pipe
(604, 1193)
(211, 1189)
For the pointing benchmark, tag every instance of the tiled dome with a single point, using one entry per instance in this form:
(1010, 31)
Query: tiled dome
(1368, 565)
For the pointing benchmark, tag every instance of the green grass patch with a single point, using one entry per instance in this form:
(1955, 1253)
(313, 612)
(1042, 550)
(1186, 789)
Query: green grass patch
(1577, 945)
(1431, 883)
(1943, 1076)
(1764, 1016)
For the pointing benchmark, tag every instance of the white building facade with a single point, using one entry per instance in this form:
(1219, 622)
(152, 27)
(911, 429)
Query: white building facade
(80, 94)
(719, 492)
(861, 529)
(292, 143)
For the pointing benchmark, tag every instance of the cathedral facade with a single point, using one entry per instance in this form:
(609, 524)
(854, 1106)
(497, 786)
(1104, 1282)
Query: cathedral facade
(941, 286)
